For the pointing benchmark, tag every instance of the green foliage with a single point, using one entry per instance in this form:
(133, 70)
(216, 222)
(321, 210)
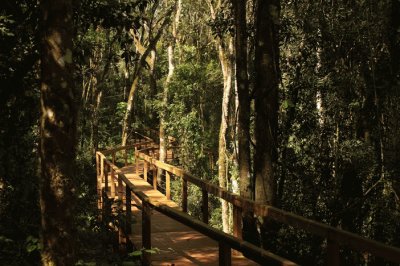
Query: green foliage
(192, 113)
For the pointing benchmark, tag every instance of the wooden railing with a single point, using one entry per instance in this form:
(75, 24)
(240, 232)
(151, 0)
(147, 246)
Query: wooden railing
(335, 237)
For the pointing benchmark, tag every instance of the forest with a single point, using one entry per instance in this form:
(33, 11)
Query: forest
(286, 103)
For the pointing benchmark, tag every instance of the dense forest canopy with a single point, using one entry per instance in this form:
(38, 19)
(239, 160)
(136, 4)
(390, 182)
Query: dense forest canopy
(288, 103)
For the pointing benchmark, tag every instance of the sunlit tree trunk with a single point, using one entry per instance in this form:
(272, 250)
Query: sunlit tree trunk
(171, 68)
(225, 54)
(57, 134)
(222, 145)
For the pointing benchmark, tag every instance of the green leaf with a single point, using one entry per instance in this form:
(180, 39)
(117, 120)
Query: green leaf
(136, 253)
(152, 251)
(287, 103)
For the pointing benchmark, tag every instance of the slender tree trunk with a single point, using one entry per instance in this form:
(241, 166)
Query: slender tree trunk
(225, 52)
(57, 134)
(225, 57)
(95, 123)
(128, 113)
(171, 68)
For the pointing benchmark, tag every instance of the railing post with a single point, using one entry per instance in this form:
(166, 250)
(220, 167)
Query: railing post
(112, 194)
(168, 185)
(128, 221)
(136, 161)
(146, 231)
(126, 157)
(121, 199)
(225, 255)
(104, 194)
(100, 180)
(333, 253)
(237, 222)
(101, 168)
(146, 167)
(184, 194)
(98, 165)
(106, 168)
(155, 177)
(205, 205)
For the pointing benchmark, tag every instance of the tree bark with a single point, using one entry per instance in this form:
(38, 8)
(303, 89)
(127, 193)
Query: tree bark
(266, 99)
(243, 133)
(225, 52)
(225, 58)
(57, 134)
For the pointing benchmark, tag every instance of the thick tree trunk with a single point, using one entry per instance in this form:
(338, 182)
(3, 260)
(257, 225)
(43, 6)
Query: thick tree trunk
(57, 134)
(243, 123)
(266, 99)
(239, 7)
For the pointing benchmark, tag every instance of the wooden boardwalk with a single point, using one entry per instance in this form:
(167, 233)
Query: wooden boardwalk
(178, 244)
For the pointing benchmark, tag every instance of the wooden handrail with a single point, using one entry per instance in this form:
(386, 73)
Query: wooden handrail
(334, 236)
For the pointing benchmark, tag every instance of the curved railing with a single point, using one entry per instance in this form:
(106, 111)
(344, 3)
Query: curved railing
(336, 238)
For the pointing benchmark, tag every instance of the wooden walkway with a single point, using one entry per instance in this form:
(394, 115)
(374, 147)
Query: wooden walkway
(178, 244)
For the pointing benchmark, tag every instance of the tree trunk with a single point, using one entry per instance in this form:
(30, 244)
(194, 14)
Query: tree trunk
(243, 122)
(225, 58)
(266, 99)
(226, 64)
(171, 68)
(57, 134)
(128, 113)
(239, 7)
